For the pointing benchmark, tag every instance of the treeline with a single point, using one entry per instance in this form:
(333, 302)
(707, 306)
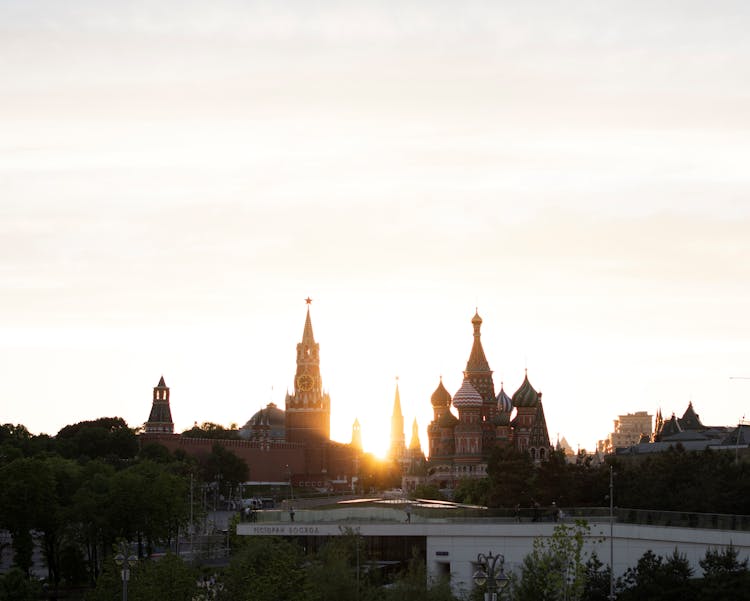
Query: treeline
(78, 493)
(274, 569)
(675, 480)
(265, 569)
(558, 569)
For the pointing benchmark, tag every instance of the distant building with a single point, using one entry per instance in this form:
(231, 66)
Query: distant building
(691, 434)
(460, 445)
(689, 422)
(629, 429)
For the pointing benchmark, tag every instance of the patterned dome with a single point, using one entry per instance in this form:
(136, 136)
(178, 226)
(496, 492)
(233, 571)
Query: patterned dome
(441, 397)
(467, 396)
(526, 396)
(504, 402)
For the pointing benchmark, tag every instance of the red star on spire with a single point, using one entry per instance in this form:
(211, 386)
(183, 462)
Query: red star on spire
(308, 300)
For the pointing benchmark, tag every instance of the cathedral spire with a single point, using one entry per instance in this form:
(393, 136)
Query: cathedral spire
(478, 370)
(477, 361)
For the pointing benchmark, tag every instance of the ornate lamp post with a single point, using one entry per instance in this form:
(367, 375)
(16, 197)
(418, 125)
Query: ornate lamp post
(125, 563)
(492, 574)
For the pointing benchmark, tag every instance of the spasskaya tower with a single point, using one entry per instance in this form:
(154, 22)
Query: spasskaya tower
(308, 410)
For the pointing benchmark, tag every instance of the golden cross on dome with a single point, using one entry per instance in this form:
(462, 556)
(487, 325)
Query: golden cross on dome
(308, 300)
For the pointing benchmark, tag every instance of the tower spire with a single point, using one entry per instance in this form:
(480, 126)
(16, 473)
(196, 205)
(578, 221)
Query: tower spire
(414, 444)
(477, 360)
(398, 440)
(307, 332)
(478, 369)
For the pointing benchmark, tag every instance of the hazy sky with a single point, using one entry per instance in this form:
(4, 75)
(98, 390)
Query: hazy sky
(176, 177)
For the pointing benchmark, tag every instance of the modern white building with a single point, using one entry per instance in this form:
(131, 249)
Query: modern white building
(451, 545)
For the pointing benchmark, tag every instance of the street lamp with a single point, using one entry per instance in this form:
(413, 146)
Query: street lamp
(125, 563)
(491, 574)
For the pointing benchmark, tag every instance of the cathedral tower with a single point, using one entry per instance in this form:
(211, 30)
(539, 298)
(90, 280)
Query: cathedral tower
(478, 372)
(308, 409)
(160, 418)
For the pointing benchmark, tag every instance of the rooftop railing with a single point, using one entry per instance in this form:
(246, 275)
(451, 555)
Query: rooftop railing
(415, 513)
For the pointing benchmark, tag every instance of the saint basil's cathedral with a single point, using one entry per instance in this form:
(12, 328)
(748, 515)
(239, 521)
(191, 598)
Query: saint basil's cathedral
(295, 444)
(460, 445)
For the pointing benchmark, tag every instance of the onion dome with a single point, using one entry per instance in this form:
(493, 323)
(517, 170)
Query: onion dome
(526, 396)
(441, 397)
(467, 396)
(504, 402)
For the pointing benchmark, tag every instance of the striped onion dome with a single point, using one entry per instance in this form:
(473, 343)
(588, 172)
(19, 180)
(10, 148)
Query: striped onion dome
(467, 396)
(504, 403)
(526, 396)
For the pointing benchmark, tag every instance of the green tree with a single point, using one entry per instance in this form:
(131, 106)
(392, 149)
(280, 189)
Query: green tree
(267, 569)
(55, 520)
(340, 570)
(472, 491)
(657, 579)
(92, 515)
(597, 581)
(26, 495)
(510, 473)
(427, 491)
(554, 570)
(211, 430)
(107, 438)
(166, 579)
(413, 585)
(15, 586)
(224, 468)
(148, 504)
(724, 576)
(15, 442)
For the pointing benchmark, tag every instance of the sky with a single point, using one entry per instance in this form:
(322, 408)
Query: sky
(177, 177)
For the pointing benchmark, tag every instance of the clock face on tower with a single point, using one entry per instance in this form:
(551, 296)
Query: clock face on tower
(305, 383)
